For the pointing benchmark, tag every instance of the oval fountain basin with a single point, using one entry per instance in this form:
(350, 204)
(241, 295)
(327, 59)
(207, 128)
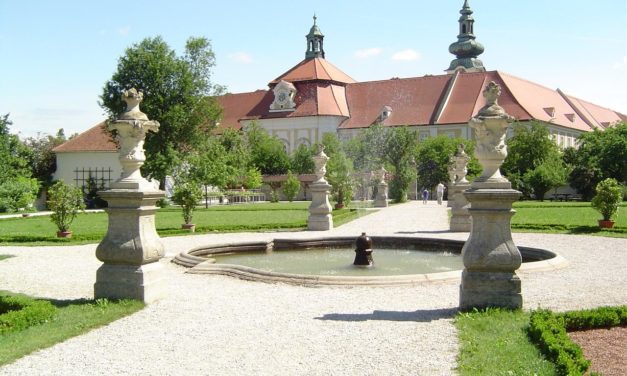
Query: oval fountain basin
(328, 261)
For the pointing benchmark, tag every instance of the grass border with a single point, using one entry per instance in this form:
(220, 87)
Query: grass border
(548, 331)
(21, 312)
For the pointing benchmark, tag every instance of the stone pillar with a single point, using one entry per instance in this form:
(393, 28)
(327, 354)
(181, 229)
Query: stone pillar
(490, 256)
(460, 217)
(320, 218)
(131, 248)
(381, 201)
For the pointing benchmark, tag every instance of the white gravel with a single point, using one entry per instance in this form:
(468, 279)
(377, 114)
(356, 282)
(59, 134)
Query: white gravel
(214, 325)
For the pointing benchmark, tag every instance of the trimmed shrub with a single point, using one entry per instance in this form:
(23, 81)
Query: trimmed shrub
(20, 312)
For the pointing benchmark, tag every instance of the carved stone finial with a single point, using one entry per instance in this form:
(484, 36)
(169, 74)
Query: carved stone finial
(320, 162)
(133, 98)
(492, 93)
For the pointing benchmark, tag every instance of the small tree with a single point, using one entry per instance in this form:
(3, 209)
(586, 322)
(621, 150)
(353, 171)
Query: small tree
(609, 196)
(65, 201)
(549, 174)
(187, 194)
(339, 175)
(291, 187)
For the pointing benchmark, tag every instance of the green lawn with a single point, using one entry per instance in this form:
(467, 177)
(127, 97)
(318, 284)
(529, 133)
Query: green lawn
(91, 227)
(72, 318)
(565, 217)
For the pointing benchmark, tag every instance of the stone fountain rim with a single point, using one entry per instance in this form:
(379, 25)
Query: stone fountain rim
(545, 261)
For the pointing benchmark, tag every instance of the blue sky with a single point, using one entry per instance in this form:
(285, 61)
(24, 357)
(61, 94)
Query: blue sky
(57, 55)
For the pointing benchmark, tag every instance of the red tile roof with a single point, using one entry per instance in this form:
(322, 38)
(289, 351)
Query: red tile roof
(95, 139)
(314, 69)
(595, 116)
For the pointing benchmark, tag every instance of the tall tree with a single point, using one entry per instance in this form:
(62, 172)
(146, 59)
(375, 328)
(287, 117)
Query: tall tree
(399, 153)
(42, 161)
(177, 92)
(433, 156)
(267, 153)
(301, 160)
(13, 153)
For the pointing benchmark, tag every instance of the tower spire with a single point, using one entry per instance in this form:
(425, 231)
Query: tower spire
(466, 49)
(315, 40)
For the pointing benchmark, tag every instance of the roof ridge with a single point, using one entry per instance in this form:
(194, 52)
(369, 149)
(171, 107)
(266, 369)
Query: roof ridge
(500, 74)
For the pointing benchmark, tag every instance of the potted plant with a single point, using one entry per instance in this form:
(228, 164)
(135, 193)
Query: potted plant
(187, 196)
(609, 196)
(65, 201)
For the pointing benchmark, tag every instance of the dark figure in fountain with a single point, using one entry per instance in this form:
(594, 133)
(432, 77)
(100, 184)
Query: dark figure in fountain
(363, 253)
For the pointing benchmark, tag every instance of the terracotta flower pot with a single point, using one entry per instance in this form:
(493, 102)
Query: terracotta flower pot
(606, 224)
(339, 206)
(189, 226)
(64, 234)
(25, 215)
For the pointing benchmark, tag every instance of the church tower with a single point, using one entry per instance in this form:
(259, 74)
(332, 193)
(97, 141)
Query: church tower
(466, 49)
(315, 40)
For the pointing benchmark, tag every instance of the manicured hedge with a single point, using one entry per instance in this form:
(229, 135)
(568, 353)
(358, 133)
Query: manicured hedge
(548, 331)
(20, 312)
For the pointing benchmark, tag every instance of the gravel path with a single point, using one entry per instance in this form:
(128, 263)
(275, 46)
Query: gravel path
(224, 326)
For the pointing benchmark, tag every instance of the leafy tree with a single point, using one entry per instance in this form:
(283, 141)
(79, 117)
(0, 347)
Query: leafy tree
(302, 160)
(291, 187)
(14, 155)
(552, 173)
(526, 150)
(42, 161)
(178, 93)
(17, 193)
(433, 156)
(267, 153)
(399, 153)
(340, 176)
(187, 194)
(600, 155)
(253, 178)
(608, 198)
(367, 150)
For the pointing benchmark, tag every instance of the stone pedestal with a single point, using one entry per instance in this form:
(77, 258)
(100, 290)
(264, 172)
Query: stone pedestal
(461, 220)
(320, 218)
(381, 201)
(131, 247)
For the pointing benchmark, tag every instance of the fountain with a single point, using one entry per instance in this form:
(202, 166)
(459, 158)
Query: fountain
(329, 261)
(363, 251)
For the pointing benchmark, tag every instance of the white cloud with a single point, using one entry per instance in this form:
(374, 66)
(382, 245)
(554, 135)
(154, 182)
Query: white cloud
(621, 64)
(406, 55)
(124, 30)
(368, 52)
(241, 57)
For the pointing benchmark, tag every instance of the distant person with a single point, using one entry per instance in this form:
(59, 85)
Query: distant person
(425, 196)
(440, 192)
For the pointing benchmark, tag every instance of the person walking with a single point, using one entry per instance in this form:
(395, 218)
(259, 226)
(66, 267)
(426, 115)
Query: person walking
(425, 196)
(440, 192)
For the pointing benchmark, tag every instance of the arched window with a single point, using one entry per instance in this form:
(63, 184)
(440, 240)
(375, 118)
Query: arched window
(463, 29)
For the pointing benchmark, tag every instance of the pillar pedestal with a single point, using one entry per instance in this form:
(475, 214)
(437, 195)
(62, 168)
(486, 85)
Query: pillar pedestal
(381, 201)
(460, 217)
(131, 249)
(320, 218)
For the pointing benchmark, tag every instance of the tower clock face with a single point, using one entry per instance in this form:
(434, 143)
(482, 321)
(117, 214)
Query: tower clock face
(281, 97)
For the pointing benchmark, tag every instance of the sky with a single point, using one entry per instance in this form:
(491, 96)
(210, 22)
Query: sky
(57, 55)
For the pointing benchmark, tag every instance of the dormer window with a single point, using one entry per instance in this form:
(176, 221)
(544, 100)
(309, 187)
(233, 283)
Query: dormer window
(385, 113)
(570, 117)
(550, 111)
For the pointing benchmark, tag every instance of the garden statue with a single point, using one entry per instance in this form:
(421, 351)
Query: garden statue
(381, 201)
(363, 251)
(320, 218)
(490, 256)
(460, 217)
(131, 248)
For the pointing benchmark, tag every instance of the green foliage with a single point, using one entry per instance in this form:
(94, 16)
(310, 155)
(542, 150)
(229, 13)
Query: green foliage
(14, 155)
(17, 193)
(302, 160)
(600, 155)
(267, 153)
(177, 92)
(495, 342)
(42, 161)
(367, 150)
(399, 153)
(609, 196)
(65, 201)
(20, 312)
(253, 178)
(209, 164)
(274, 191)
(551, 173)
(186, 193)
(90, 192)
(433, 156)
(548, 331)
(339, 169)
(291, 187)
